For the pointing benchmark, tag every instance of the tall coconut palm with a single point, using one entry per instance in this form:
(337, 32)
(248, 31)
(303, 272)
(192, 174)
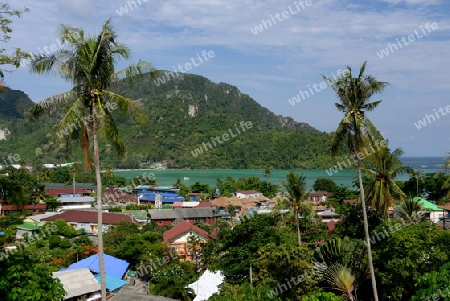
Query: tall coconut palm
(354, 94)
(88, 64)
(418, 175)
(295, 186)
(380, 185)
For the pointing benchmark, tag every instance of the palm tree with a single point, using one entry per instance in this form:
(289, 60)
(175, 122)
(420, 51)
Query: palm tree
(354, 94)
(419, 176)
(44, 175)
(296, 195)
(193, 244)
(409, 208)
(343, 280)
(88, 64)
(380, 185)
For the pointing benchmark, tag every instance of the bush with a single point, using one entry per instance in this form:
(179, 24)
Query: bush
(40, 243)
(65, 243)
(53, 241)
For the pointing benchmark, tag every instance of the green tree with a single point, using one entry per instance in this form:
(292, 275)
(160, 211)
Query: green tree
(5, 24)
(10, 233)
(52, 203)
(237, 248)
(88, 64)
(381, 187)
(23, 280)
(354, 94)
(289, 264)
(434, 285)
(324, 184)
(408, 252)
(295, 186)
(172, 287)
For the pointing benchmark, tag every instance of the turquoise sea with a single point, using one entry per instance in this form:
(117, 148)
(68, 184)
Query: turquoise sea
(209, 176)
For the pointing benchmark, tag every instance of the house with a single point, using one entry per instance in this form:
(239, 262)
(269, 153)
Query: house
(185, 204)
(243, 194)
(149, 198)
(35, 208)
(38, 217)
(164, 217)
(351, 202)
(319, 196)
(31, 228)
(79, 284)
(113, 266)
(432, 211)
(328, 215)
(69, 192)
(115, 270)
(179, 236)
(444, 222)
(76, 202)
(87, 220)
(196, 214)
(194, 196)
(205, 205)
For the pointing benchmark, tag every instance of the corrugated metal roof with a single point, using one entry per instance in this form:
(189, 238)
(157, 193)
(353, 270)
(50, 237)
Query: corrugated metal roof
(76, 199)
(77, 282)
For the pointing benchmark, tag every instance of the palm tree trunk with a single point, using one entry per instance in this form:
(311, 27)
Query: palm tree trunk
(298, 229)
(366, 232)
(101, 259)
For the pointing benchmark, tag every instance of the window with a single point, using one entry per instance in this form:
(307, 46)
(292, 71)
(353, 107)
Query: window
(160, 222)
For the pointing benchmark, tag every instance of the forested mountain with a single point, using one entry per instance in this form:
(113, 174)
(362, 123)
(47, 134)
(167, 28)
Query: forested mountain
(185, 112)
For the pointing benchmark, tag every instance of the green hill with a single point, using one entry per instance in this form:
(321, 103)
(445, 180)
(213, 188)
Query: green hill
(186, 113)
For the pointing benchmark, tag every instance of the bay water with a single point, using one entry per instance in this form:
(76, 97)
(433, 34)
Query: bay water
(167, 177)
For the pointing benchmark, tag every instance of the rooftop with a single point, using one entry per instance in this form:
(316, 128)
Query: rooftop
(77, 282)
(182, 228)
(85, 216)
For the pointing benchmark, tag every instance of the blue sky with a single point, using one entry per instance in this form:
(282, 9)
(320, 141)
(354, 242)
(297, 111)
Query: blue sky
(297, 42)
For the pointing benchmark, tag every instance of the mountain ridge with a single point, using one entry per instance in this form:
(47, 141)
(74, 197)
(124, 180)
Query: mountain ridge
(184, 114)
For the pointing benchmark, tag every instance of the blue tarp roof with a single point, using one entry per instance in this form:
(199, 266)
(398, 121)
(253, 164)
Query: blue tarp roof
(113, 266)
(112, 283)
(167, 197)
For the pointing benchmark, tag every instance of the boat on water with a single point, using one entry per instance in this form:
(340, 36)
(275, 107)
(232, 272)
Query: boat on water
(186, 178)
(423, 166)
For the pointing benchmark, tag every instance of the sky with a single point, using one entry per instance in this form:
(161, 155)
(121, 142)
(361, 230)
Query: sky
(274, 51)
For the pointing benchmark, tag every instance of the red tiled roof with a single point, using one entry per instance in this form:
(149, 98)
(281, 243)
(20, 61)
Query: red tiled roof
(27, 207)
(182, 228)
(57, 191)
(247, 191)
(351, 202)
(321, 193)
(205, 205)
(80, 216)
(332, 225)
